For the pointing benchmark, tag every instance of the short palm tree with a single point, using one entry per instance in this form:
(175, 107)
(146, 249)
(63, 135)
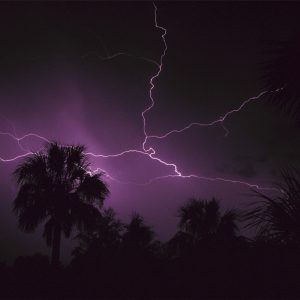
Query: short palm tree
(137, 235)
(202, 220)
(57, 190)
(105, 237)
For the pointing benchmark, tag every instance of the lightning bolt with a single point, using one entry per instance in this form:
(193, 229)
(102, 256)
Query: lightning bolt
(116, 55)
(145, 150)
(219, 121)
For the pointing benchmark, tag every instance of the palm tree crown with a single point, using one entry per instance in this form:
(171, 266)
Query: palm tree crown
(202, 220)
(138, 235)
(57, 189)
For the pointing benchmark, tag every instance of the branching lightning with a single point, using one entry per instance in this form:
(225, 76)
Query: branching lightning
(219, 121)
(145, 150)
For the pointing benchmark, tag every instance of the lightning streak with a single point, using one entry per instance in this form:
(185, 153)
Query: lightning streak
(116, 55)
(153, 79)
(219, 121)
(150, 151)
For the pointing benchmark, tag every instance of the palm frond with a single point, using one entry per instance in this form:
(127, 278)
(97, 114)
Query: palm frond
(279, 216)
(93, 189)
(32, 170)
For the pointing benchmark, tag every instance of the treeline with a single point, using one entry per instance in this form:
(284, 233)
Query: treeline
(206, 258)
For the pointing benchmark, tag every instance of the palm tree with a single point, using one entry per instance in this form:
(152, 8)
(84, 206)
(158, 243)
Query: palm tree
(106, 236)
(277, 218)
(137, 235)
(202, 220)
(57, 189)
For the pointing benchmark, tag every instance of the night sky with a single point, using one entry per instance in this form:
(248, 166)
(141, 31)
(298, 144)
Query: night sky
(57, 80)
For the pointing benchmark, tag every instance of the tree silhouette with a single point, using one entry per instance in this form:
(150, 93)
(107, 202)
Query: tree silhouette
(202, 220)
(278, 218)
(137, 235)
(57, 189)
(106, 235)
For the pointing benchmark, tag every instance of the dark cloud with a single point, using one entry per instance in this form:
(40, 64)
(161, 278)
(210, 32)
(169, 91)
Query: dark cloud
(263, 158)
(247, 170)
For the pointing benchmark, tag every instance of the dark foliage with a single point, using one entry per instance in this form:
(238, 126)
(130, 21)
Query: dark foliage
(57, 190)
(206, 258)
(201, 224)
(278, 218)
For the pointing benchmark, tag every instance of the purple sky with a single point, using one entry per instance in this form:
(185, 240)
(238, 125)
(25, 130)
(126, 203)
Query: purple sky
(54, 83)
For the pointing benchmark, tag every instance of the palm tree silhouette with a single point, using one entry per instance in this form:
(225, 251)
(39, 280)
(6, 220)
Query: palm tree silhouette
(57, 189)
(202, 220)
(137, 235)
(106, 236)
(277, 218)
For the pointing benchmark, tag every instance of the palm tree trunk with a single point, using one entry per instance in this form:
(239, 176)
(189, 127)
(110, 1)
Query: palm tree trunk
(56, 245)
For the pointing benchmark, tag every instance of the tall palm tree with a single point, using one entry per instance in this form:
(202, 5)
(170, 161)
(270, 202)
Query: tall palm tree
(277, 218)
(202, 220)
(57, 190)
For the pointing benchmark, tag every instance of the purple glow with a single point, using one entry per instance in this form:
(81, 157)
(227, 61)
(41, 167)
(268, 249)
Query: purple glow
(150, 152)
